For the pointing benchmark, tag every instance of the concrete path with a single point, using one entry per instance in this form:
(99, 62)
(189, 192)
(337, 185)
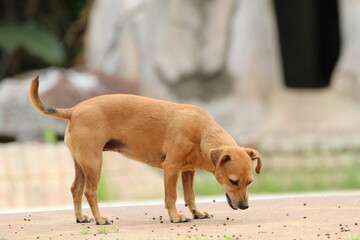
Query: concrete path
(320, 217)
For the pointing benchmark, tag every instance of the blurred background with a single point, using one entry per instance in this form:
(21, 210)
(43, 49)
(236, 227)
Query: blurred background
(281, 76)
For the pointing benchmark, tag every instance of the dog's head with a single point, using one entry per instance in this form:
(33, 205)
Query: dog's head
(233, 170)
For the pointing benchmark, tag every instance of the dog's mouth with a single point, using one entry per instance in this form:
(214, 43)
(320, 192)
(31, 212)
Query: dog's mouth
(230, 202)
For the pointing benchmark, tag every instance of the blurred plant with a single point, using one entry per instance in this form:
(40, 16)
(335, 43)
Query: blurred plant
(34, 39)
(36, 34)
(353, 238)
(342, 174)
(102, 230)
(50, 136)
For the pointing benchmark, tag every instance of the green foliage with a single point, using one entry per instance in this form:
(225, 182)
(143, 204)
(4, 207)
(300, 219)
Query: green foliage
(302, 179)
(206, 184)
(104, 190)
(36, 40)
(85, 231)
(106, 230)
(50, 136)
(38, 34)
(353, 238)
(102, 230)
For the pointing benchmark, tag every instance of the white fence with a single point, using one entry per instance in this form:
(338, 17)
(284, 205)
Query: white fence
(40, 175)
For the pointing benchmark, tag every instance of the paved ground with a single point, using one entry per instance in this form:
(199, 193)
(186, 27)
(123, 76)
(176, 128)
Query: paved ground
(332, 217)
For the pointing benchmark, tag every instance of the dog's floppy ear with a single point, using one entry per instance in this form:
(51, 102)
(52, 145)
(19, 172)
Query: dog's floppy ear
(255, 155)
(218, 156)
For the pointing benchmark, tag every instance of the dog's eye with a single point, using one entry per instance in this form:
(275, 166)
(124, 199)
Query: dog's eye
(234, 182)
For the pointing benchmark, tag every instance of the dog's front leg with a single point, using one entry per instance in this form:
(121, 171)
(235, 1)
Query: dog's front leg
(170, 179)
(189, 195)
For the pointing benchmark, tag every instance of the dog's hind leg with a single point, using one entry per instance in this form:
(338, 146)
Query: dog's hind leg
(77, 190)
(189, 195)
(91, 164)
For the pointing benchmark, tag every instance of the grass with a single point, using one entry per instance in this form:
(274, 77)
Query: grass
(296, 172)
(103, 189)
(206, 184)
(102, 230)
(50, 136)
(353, 238)
(288, 181)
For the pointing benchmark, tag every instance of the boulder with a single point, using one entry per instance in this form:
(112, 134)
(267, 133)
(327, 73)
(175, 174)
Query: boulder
(217, 54)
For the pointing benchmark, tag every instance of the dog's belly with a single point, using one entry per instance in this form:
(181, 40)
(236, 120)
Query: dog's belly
(148, 157)
(151, 160)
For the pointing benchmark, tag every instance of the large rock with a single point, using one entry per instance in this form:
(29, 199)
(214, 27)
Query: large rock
(201, 52)
(222, 56)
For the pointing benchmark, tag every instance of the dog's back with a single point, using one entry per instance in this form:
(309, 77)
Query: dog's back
(138, 127)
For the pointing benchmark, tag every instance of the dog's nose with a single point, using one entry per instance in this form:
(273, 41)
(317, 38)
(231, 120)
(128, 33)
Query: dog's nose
(243, 206)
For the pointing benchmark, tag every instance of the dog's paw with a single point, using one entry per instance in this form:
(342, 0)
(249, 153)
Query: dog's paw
(104, 221)
(180, 219)
(200, 215)
(84, 219)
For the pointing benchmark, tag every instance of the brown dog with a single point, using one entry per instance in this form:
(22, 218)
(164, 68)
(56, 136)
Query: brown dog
(174, 137)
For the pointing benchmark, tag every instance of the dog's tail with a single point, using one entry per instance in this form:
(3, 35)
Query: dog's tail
(41, 108)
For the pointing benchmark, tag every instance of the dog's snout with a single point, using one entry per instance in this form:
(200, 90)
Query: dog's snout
(243, 206)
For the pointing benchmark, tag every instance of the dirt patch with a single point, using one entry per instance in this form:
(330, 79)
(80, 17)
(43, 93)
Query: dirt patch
(325, 217)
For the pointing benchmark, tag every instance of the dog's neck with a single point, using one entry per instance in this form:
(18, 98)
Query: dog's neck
(214, 138)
